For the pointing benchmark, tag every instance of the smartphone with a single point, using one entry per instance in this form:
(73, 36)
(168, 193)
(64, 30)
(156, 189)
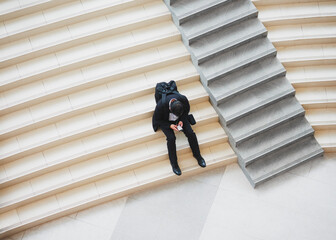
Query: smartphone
(179, 128)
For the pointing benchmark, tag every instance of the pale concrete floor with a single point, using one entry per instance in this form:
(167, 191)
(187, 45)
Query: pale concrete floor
(220, 204)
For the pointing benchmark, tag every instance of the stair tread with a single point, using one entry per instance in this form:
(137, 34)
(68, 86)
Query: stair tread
(217, 41)
(265, 118)
(231, 60)
(287, 158)
(113, 186)
(255, 98)
(272, 140)
(217, 17)
(246, 78)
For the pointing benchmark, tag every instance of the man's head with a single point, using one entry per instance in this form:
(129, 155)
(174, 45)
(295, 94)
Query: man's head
(177, 108)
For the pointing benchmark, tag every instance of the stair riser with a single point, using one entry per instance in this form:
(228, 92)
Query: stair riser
(241, 140)
(233, 45)
(234, 118)
(308, 41)
(278, 147)
(238, 19)
(308, 62)
(301, 20)
(255, 84)
(108, 197)
(237, 67)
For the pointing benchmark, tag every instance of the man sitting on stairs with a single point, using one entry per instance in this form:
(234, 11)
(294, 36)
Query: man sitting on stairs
(171, 115)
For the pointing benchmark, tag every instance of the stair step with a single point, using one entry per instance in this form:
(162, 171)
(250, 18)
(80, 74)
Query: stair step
(109, 188)
(62, 39)
(217, 19)
(317, 97)
(63, 15)
(295, 13)
(255, 99)
(240, 57)
(274, 140)
(126, 159)
(312, 76)
(327, 139)
(284, 160)
(22, 121)
(219, 42)
(302, 34)
(90, 76)
(303, 55)
(265, 119)
(186, 10)
(322, 119)
(50, 135)
(249, 77)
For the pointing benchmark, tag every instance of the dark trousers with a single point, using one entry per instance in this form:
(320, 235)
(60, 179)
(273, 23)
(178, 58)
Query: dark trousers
(171, 142)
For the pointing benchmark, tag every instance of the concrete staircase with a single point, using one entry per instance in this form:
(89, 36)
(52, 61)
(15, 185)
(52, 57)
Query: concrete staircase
(77, 85)
(247, 85)
(304, 33)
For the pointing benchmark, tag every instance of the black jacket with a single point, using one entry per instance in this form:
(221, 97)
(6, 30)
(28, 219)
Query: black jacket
(161, 113)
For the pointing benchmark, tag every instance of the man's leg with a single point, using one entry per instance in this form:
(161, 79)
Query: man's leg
(171, 146)
(192, 139)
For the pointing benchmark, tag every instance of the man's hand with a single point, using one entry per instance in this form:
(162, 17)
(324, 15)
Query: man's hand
(180, 124)
(174, 127)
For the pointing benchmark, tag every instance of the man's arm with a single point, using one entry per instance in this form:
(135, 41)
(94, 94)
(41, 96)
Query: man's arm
(158, 117)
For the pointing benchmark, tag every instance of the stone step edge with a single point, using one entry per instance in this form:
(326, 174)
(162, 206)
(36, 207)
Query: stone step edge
(264, 79)
(92, 106)
(240, 65)
(219, 162)
(315, 82)
(310, 61)
(292, 115)
(278, 146)
(236, 43)
(68, 43)
(234, 117)
(182, 149)
(298, 19)
(123, 73)
(79, 63)
(293, 41)
(188, 15)
(75, 18)
(249, 14)
(287, 167)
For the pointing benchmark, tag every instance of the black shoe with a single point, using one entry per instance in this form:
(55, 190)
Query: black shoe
(177, 170)
(201, 161)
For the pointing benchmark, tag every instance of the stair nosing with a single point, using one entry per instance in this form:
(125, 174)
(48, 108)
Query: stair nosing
(184, 17)
(286, 167)
(233, 117)
(275, 74)
(278, 146)
(244, 137)
(240, 65)
(203, 57)
(233, 20)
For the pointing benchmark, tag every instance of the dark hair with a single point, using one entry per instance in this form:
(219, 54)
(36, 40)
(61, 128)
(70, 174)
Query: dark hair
(177, 108)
